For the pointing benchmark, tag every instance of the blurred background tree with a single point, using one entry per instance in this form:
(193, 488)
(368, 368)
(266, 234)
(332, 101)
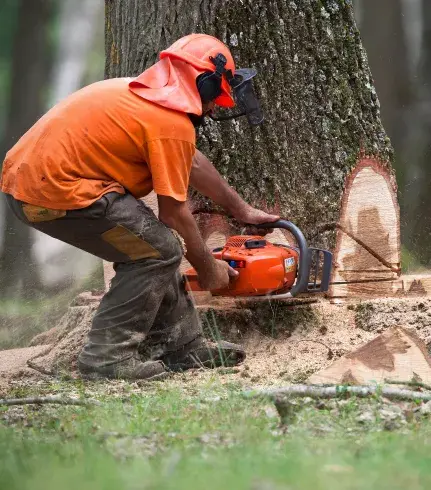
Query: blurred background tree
(49, 48)
(397, 38)
(28, 76)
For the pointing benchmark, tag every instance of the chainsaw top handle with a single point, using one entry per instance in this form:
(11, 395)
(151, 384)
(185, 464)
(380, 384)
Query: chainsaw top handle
(301, 284)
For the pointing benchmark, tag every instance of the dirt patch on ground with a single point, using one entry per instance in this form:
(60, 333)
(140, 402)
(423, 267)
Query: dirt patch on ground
(11, 361)
(285, 342)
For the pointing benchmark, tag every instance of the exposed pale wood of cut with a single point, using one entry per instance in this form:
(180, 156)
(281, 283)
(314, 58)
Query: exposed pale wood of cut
(367, 253)
(406, 285)
(398, 354)
(362, 290)
(368, 236)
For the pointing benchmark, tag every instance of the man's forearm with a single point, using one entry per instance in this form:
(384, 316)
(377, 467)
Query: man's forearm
(180, 219)
(206, 179)
(197, 253)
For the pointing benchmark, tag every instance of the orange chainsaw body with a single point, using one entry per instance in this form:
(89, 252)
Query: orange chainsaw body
(263, 267)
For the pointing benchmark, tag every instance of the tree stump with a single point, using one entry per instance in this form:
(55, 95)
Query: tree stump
(282, 339)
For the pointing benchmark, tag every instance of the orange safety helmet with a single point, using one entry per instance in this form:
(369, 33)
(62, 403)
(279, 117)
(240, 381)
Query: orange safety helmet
(195, 69)
(198, 50)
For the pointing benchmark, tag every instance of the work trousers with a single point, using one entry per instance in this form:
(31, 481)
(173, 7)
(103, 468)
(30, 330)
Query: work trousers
(146, 307)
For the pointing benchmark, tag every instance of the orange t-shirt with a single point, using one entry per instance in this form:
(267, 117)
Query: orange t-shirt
(102, 138)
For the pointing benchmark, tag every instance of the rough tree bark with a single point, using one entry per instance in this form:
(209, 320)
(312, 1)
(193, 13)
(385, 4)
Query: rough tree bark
(18, 272)
(323, 140)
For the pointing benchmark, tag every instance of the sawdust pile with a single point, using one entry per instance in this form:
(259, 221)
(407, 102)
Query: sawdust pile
(66, 339)
(13, 365)
(284, 342)
(379, 314)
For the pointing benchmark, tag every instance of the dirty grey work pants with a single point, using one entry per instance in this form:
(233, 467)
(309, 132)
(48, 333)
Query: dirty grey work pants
(146, 305)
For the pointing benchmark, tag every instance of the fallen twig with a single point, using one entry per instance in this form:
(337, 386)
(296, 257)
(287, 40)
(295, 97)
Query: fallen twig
(40, 369)
(336, 391)
(34, 366)
(417, 384)
(48, 399)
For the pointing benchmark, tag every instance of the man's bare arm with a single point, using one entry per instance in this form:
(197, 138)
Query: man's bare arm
(206, 179)
(213, 274)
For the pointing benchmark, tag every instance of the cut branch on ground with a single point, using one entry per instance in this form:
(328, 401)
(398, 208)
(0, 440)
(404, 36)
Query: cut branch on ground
(339, 391)
(48, 399)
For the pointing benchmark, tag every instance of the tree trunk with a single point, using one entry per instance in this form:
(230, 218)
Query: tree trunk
(322, 157)
(79, 22)
(18, 270)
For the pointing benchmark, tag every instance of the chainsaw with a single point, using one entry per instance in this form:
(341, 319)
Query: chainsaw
(268, 269)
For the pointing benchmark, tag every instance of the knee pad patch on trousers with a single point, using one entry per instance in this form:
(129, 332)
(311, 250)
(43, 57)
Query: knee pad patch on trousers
(130, 244)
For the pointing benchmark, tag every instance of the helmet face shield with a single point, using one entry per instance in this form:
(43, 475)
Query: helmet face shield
(245, 97)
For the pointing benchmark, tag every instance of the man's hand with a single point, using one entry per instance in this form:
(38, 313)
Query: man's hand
(218, 277)
(212, 273)
(252, 216)
(177, 215)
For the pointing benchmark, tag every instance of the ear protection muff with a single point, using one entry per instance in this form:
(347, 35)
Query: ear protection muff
(209, 87)
(209, 83)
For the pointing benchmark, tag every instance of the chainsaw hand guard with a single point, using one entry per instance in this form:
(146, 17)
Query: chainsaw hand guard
(308, 257)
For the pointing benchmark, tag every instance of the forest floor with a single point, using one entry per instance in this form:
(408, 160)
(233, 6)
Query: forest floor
(197, 429)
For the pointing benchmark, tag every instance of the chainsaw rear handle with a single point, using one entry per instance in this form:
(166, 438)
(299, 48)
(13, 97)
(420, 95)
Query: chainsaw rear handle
(301, 284)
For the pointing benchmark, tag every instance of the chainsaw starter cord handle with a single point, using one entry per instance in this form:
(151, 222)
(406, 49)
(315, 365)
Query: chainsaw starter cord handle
(301, 284)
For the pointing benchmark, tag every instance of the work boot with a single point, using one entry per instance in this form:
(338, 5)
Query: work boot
(130, 368)
(202, 353)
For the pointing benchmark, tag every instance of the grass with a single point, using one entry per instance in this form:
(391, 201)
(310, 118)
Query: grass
(205, 435)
